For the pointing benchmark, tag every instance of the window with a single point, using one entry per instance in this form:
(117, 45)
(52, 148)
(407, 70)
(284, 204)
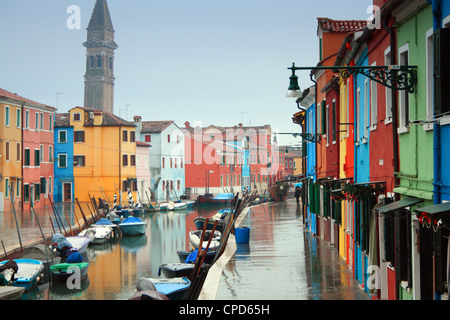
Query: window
(79, 161)
(78, 136)
(7, 116)
(132, 160)
(124, 185)
(373, 105)
(27, 119)
(132, 136)
(26, 160)
(76, 117)
(99, 61)
(42, 121)
(36, 121)
(43, 185)
(18, 118)
(403, 95)
(334, 121)
(429, 78)
(91, 62)
(26, 193)
(50, 185)
(327, 125)
(6, 150)
(124, 136)
(366, 111)
(50, 123)
(41, 153)
(163, 162)
(37, 158)
(62, 161)
(7, 188)
(357, 113)
(18, 151)
(37, 192)
(50, 154)
(62, 136)
(124, 160)
(148, 138)
(388, 61)
(168, 138)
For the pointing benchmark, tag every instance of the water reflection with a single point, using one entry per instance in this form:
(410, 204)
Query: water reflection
(115, 267)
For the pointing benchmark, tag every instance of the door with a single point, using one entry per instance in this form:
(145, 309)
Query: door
(67, 192)
(32, 196)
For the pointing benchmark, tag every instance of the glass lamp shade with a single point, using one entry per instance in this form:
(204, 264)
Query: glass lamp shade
(294, 89)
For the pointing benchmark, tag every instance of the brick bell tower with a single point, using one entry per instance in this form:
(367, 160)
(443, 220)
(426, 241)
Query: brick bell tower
(99, 77)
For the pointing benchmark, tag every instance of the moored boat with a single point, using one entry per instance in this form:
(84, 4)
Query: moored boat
(221, 198)
(62, 271)
(101, 233)
(65, 246)
(27, 275)
(174, 288)
(176, 270)
(219, 216)
(173, 206)
(195, 237)
(190, 256)
(133, 226)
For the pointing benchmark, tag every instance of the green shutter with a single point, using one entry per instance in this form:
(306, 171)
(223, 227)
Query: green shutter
(324, 117)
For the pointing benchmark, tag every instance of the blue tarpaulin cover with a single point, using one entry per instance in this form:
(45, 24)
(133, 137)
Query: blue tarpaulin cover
(224, 196)
(103, 222)
(61, 241)
(74, 258)
(132, 220)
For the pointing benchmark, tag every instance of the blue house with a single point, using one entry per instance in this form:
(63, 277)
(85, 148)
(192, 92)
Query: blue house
(63, 158)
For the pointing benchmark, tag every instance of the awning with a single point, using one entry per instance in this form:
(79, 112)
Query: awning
(397, 205)
(437, 208)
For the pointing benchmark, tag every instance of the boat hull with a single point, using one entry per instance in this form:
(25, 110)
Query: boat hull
(177, 270)
(183, 255)
(28, 273)
(61, 272)
(174, 289)
(202, 200)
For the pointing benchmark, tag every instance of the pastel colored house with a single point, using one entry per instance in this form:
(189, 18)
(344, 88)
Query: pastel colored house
(166, 158)
(104, 155)
(143, 171)
(64, 184)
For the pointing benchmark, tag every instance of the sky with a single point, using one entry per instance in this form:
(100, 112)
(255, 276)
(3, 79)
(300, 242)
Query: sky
(203, 61)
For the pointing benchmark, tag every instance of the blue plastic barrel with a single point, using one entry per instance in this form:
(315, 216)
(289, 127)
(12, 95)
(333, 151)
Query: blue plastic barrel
(242, 235)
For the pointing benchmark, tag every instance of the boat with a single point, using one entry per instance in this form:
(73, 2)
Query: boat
(219, 216)
(190, 256)
(65, 246)
(176, 270)
(148, 295)
(132, 226)
(42, 253)
(195, 237)
(100, 233)
(221, 198)
(10, 292)
(27, 275)
(173, 206)
(62, 271)
(151, 207)
(174, 288)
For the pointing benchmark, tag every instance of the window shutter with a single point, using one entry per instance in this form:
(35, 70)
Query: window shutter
(442, 70)
(323, 117)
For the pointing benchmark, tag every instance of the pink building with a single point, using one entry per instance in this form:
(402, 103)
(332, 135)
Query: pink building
(37, 126)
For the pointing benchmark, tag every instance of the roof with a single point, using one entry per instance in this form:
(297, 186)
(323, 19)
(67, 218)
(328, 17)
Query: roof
(142, 144)
(14, 96)
(330, 25)
(155, 126)
(62, 119)
(101, 18)
(397, 205)
(108, 119)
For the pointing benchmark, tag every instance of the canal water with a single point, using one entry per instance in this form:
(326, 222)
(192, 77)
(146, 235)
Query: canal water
(115, 267)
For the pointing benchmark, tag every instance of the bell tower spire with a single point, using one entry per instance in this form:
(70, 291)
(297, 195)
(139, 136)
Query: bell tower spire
(100, 46)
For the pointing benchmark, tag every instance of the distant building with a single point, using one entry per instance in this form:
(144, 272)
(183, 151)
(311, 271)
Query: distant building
(63, 162)
(166, 157)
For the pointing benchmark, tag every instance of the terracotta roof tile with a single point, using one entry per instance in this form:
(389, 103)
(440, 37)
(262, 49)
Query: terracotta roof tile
(326, 24)
(62, 119)
(154, 126)
(9, 95)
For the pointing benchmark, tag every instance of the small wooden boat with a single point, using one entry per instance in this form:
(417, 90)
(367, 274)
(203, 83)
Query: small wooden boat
(27, 275)
(174, 289)
(220, 216)
(10, 292)
(221, 198)
(176, 270)
(62, 271)
(42, 253)
(195, 237)
(100, 234)
(190, 256)
(148, 295)
(152, 207)
(65, 246)
(173, 206)
(133, 226)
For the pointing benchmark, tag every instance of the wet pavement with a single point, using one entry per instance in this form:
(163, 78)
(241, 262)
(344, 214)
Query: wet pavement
(284, 261)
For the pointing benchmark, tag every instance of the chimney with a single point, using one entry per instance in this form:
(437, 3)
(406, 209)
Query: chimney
(137, 118)
(187, 124)
(138, 122)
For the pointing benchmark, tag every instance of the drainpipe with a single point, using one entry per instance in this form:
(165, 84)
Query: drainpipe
(394, 105)
(436, 9)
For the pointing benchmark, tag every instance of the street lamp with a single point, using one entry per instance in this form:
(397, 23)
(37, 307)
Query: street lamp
(294, 89)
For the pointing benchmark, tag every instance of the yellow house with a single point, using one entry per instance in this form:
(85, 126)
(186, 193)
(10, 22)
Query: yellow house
(104, 155)
(10, 149)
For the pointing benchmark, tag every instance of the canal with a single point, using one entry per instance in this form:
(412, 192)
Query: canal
(115, 267)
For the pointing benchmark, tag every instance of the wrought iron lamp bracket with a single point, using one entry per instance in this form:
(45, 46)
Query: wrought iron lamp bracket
(312, 137)
(397, 77)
